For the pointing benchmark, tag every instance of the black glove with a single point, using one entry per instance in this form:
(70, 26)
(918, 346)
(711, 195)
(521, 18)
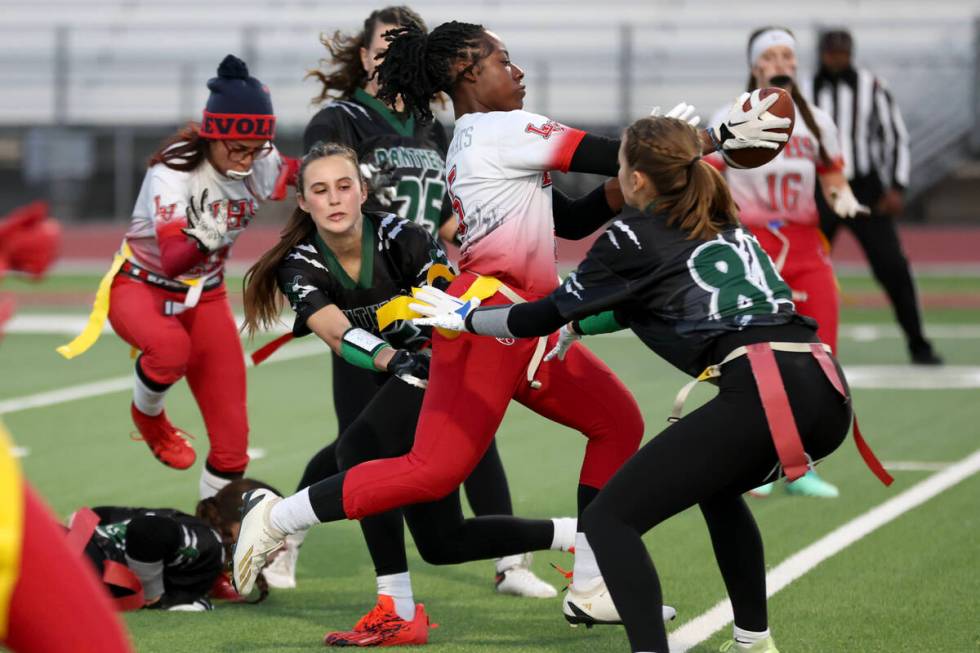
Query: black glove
(407, 362)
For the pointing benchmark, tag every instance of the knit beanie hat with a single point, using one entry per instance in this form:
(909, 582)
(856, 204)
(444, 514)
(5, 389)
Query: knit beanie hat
(239, 106)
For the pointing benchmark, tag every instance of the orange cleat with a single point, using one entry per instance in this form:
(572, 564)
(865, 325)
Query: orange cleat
(383, 627)
(164, 439)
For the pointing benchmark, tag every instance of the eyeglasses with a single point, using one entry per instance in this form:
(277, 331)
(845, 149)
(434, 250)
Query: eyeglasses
(238, 153)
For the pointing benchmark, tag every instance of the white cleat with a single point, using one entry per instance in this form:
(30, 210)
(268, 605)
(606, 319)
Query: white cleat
(595, 607)
(514, 576)
(281, 572)
(257, 539)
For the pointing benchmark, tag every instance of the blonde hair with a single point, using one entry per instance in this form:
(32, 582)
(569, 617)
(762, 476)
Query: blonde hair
(690, 191)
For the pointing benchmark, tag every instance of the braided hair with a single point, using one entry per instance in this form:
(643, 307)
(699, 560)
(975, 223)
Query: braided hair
(417, 66)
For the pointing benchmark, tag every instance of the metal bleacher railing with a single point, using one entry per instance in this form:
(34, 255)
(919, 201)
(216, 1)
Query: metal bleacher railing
(129, 62)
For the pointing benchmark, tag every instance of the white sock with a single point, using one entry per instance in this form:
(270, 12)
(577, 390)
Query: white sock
(211, 484)
(148, 401)
(399, 588)
(564, 537)
(512, 562)
(297, 538)
(746, 638)
(585, 573)
(294, 513)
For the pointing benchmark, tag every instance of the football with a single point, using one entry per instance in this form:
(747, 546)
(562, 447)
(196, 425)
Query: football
(754, 157)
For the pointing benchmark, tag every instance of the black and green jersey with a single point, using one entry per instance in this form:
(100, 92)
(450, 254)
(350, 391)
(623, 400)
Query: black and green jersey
(675, 293)
(396, 255)
(194, 558)
(381, 136)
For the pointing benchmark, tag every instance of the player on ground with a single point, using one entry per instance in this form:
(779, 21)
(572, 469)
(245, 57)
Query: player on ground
(699, 291)
(174, 560)
(337, 265)
(498, 172)
(777, 204)
(413, 186)
(168, 297)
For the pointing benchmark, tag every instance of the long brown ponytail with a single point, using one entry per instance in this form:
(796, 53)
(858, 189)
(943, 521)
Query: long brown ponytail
(801, 104)
(691, 192)
(263, 301)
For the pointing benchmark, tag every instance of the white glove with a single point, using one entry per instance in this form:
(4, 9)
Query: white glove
(209, 228)
(744, 129)
(566, 338)
(844, 204)
(381, 182)
(682, 111)
(441, 309)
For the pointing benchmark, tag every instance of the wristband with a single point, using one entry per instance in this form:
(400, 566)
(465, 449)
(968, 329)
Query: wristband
(359, 347)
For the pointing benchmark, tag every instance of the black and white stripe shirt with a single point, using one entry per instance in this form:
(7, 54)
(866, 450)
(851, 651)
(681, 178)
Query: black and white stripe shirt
(872, 133)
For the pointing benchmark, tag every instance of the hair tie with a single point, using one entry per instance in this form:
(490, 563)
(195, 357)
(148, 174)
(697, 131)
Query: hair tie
(690, 166)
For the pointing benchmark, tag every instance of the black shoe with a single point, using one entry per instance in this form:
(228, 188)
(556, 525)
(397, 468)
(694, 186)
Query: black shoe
(926, 356)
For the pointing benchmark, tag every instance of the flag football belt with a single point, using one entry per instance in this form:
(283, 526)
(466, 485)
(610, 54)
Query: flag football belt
(135, 271)
(775, 403)
(397, 309)
(80, 532)
(100, 307)
(482, 288)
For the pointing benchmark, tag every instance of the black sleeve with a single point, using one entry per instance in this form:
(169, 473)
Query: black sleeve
(529, 320)
(152, 537)
(596, 155)
(576, 219)
(305, 295)
(329, 126)
(596, 285)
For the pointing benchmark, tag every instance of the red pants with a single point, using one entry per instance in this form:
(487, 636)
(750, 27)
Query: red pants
(471, 382)
(58, 605)
(202, 344)
(808, 272)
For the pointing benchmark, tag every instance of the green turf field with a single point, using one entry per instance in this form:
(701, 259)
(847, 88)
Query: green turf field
(910, 586)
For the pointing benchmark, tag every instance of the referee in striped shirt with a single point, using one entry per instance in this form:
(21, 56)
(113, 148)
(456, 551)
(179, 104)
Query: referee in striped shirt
(876, 158)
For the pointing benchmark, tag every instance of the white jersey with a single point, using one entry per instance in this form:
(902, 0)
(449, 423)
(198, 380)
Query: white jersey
(782, 190)
(161, 208)
(497, 173)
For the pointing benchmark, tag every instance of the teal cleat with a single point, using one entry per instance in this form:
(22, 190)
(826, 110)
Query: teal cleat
(762, 491)
(811, 485)
(766, 645)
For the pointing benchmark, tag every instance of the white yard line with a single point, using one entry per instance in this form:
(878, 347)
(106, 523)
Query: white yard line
(704, 626)
(121, 383)
(914, 466)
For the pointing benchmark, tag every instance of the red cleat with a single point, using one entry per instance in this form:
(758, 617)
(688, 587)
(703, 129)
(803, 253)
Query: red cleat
(164, 439)
(223, 590)
(383, 627)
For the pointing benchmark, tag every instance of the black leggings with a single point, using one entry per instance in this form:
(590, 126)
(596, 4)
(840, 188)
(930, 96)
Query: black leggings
(386, 428)
(708, 458)
(353, 387)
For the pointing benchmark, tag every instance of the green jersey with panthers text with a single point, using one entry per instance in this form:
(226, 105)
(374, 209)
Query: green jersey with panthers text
(676, 293)
(385, 138)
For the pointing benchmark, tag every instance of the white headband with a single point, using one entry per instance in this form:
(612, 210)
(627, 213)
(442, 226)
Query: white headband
(768, 39)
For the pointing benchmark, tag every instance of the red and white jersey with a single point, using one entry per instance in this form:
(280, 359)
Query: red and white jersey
(161, 208)
(497, 172)
(782, 190)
